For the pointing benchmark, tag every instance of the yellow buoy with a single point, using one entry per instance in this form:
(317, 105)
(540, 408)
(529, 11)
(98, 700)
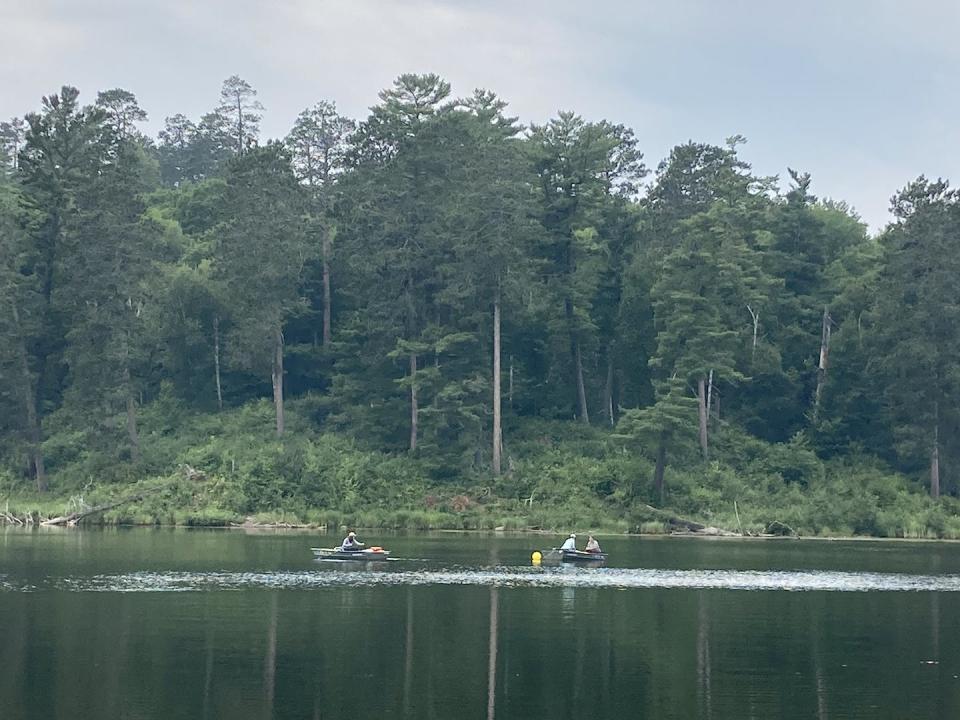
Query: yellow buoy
(536, 557)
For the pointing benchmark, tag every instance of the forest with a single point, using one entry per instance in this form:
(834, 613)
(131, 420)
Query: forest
(436, 316)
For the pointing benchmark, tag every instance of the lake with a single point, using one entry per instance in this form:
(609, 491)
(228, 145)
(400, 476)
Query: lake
(176, 623)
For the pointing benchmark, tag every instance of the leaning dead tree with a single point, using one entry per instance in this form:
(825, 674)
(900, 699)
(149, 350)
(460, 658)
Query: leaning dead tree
(73, 518)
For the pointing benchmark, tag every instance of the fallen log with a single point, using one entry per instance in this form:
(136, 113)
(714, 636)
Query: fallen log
(689, 527)
(672, 519)
(73, 518)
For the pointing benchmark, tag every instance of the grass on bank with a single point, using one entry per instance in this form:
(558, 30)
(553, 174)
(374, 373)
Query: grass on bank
(561, 476)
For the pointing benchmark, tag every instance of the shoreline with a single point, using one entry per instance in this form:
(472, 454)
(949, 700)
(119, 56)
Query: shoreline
(321, 529)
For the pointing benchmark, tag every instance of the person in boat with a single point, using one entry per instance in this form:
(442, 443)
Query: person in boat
(350, 542)
(592, 545)
(570, 543)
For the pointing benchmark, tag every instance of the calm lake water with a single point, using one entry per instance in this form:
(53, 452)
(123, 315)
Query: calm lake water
(228, 624)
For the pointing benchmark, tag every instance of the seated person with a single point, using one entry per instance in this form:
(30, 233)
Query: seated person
(350, 542)
(592, 545)
(570, 543)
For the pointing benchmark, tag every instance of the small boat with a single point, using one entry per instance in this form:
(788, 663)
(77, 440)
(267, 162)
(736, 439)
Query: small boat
(556, 555)
(582, 556)
(370, 554)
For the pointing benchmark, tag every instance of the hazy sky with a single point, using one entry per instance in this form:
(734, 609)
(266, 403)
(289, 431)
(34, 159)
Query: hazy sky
(863, 94)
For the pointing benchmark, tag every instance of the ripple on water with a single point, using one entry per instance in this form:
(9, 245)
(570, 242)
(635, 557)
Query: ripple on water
(756, 580)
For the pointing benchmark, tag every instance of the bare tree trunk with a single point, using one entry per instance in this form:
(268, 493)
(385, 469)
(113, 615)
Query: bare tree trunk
(702, 411)
(578, 364)
(278, 377)
(497, 428)
(608, 388)
(935, 455)
(824, 358)
(581, 391)
(510, 386)
(131, 417)
(755, 316)
(709, 396)
(414, 411)
(326, 290)
(216, 359)
(661, 466)
(30, 406)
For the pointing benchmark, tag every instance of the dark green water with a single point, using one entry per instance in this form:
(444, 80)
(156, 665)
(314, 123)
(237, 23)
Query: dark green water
(224, 624)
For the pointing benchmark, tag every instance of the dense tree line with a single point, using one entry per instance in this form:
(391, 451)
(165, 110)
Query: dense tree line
(437, 272)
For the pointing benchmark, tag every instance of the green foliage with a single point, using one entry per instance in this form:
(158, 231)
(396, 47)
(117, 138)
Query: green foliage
(154, 298)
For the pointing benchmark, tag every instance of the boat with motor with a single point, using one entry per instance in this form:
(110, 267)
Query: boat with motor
(370, 554)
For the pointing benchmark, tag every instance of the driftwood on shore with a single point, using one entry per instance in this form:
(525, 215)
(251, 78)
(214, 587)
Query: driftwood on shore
(687, 527)
(73, 518)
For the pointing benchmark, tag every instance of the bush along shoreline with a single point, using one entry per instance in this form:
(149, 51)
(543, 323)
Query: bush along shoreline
(459, 320)
(224, 470)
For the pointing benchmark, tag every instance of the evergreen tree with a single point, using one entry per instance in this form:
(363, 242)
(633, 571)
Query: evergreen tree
(260, 257)
(701, 305)
(917, 324)
(319, 144)
(121, 112)
(241, 113)
(580, 167)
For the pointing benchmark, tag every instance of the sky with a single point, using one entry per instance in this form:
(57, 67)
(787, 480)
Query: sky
(862, 94)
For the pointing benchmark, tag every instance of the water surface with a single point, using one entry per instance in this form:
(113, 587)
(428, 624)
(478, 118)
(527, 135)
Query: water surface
(211, 623)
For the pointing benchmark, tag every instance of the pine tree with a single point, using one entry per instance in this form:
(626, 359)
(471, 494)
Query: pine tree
(917, 323)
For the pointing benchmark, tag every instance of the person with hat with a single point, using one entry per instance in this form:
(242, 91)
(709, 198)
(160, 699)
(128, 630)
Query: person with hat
(350, 542)
(570, 543)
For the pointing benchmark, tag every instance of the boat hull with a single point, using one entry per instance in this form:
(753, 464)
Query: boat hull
(575, 557)
(354, 555)
(581, 556)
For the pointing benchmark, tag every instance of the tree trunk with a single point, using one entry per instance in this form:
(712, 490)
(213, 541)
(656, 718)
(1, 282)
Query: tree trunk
(326, 290)
(414, 411)
(497, 429)
(216, 359)
(131, 417)
(33, 425)
(824, 358)
(935, 456)
(608, 388)
(755, 316)
(661, 466)
(577, 363)
(702, 411)
(510, 386)
(278, 377)
(581, 391)
(30, 406)
(709, 397)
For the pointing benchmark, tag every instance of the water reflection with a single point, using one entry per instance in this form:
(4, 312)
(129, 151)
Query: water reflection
(408, 654)
(703, 658)
(492, 653)
(270, 660)
(289, 640)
